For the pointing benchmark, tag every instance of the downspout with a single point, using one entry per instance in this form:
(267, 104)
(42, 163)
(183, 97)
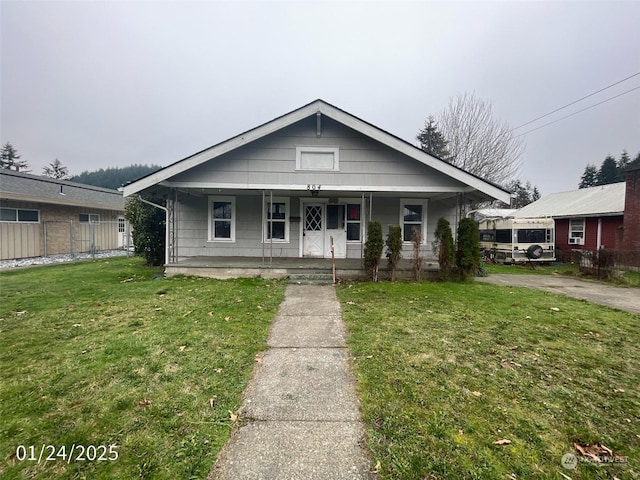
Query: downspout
(166, 223)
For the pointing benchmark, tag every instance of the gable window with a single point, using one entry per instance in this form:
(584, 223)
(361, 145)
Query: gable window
(222, 219)
(413, 215)
(276, 220)
(353, 222)
(576, 231)
(89, 218)
(21, 215)
(318, 158)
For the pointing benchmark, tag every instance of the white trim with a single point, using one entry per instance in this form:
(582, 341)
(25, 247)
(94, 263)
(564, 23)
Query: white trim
(323, 187)
(579, 240)
(210, 223)
(287, 212)
(335, 114)
(423, 227)
(323, 149)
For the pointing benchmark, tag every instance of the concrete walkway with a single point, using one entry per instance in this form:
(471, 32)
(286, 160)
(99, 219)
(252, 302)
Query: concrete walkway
(300, 418)
(595, 292)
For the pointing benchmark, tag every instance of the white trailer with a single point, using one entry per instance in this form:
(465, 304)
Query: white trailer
(518, 240)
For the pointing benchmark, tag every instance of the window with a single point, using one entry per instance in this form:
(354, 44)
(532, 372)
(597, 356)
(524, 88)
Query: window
(353, 222)
(412, 217)
(222, 219)
(121, 225)
(531, 235)
(89, 217)
(21, 215)
(318, 158)
(576, 231)
(276, 220)
(487, 235)
(504, 235)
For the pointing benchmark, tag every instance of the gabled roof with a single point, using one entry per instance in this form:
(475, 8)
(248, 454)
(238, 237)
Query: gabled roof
(34, 188)
(604, 200)
(335, 113)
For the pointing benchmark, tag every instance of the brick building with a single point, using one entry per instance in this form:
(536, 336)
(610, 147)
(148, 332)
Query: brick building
(630, 240)
(41, 216)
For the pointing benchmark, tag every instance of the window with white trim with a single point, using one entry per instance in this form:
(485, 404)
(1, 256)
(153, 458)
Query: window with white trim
(353, 222)
(576, 231)
(222, 219)
(89, 218)
(318, 158)
(276, 220)
(413, 215)
(19, 215)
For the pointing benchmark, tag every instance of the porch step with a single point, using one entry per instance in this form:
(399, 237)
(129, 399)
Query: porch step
(311, 278)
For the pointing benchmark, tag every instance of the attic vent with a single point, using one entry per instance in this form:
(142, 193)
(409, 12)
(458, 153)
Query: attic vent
(61, 192)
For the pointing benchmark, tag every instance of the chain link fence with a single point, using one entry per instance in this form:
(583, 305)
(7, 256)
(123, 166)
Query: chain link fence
(73, 237)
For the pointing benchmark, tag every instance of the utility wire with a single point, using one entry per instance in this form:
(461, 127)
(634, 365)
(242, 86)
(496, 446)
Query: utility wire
(575, 101)
(579, 111)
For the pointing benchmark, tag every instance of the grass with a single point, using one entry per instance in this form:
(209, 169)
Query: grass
(110, 353)
(446, 369)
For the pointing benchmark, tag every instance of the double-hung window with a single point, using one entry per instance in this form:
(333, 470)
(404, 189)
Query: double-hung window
(222, 219)
(21, 215)
(353, 222)
(276, 220)
(413, 216)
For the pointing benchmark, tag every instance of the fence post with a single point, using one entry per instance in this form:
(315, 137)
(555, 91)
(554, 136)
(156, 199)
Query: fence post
(92, 238)
(71, 238)
(44, 226)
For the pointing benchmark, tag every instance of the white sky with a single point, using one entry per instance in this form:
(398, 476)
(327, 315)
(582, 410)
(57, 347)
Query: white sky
(102, 84)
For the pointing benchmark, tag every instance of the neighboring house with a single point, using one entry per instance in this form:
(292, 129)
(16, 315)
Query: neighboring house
(585, 219)
(286, 188)
(41, 216)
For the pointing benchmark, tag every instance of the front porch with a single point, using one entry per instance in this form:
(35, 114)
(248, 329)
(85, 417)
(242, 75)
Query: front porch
(294, 269)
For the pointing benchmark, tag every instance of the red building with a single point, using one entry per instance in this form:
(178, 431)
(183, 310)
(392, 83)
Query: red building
(588, 218)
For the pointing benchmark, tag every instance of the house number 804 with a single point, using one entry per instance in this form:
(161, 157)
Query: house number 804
(313, 187)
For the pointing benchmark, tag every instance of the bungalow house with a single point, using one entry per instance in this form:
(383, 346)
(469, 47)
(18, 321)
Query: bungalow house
(41, 216)
(300, 186)
(585, 219)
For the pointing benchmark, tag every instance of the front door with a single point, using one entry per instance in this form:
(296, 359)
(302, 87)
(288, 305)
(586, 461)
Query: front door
(313, 230)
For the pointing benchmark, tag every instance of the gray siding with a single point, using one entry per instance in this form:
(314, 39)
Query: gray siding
(272, 160)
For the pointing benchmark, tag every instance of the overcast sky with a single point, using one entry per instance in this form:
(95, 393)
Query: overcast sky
(102, 84)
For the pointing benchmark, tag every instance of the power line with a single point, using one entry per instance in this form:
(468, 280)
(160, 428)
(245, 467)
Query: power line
(579, 111)
(575, 101)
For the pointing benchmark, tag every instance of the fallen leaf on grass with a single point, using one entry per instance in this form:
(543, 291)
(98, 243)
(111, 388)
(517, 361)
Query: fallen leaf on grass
(618, 390)
(77, 324)
(502, 441)
(554, 309)
(210, 314)
(232, 416)
(226, 319)
(377, 468)
(182, 347)
(259, 307)
(218, 370)
(157, 309)
(188, 313)
(144, 402)
(351, 303)
(21, 313)
(476, 394)
(74, 405)
(212, 401)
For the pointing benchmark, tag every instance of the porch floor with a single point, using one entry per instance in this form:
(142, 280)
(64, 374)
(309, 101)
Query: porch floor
(283, 267)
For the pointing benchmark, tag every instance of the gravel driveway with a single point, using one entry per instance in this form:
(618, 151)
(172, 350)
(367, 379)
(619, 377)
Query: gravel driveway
(616, 297)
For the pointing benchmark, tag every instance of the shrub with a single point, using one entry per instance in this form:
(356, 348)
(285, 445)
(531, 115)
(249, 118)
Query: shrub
(443, 247)
(148, 230)
(373, 249)
(468, 253)
(394, 248)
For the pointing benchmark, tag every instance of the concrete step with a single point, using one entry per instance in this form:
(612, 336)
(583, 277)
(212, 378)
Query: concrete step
(311, 278)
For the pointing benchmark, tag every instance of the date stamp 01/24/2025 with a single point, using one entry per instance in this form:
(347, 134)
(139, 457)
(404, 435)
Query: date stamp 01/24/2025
(74, 453)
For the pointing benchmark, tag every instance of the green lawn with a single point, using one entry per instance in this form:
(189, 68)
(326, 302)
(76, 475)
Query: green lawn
(109, 353)
(445, 370)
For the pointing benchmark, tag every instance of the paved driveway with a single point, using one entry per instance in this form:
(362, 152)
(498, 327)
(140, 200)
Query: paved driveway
(616, 297)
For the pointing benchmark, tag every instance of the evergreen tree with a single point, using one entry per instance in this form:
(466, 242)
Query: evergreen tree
(10, 160)
(443, 246)
(393, 246)
(535, 195)
(373, 249)
(523, 194)
(636, 161)
(468, 252)
(608, 172)
(432, 141)
(148, 229)
(56, 170)
(589, 177)
(115, 177)
(623, 163)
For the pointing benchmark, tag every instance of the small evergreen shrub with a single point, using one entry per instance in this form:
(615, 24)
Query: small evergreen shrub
(468, 253)
(443, 247)
(148, 229)
(373, 249)
(416, 261)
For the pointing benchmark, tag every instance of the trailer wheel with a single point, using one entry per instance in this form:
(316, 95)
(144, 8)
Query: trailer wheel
(534, 252)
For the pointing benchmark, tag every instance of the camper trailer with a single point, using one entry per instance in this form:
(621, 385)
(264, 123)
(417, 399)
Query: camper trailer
(517, 240)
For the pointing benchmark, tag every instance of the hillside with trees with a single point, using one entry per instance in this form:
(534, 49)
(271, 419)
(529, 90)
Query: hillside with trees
(114, 177)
